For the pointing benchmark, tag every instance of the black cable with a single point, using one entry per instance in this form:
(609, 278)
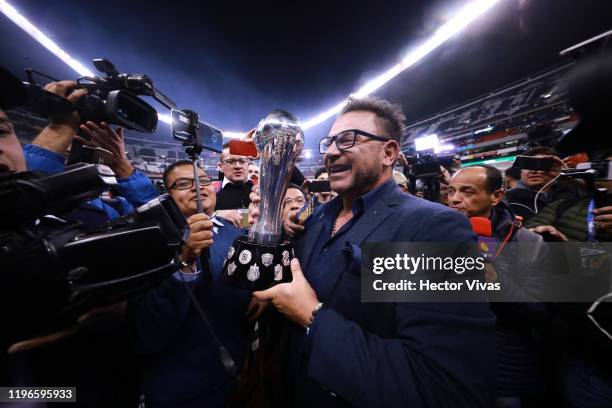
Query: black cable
(226, 358)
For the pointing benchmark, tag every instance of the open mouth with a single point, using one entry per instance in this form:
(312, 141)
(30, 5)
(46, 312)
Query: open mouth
(338, 169)
(202, 196)
(4, 168)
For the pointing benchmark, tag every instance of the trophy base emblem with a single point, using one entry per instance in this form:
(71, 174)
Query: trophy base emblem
(253, 266)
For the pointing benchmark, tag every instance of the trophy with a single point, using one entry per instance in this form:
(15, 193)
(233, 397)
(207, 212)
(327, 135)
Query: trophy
(260, 260)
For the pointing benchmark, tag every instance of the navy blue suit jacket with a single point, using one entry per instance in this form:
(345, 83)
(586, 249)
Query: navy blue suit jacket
(184, 367)
(390, 354)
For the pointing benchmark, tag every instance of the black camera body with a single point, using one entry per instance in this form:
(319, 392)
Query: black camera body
(112, 98)
(427, 165)
(54, 271)
(533, 163)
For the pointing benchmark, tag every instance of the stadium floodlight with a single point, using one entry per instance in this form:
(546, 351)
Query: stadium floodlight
(45, 41)
(52, 47)
(458, 22)
(429, 142)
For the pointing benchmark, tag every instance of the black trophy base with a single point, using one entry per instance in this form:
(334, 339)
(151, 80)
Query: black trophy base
(253, 266)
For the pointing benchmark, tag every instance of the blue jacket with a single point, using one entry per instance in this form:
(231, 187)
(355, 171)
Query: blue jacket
(135, 190)
(184, 367)
(390, 354)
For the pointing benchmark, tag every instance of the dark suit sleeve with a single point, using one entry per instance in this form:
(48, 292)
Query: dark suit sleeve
(155, 318)
(442, 354)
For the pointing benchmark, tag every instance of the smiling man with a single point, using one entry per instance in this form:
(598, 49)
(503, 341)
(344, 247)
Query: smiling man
(344, 352)
(185, 368)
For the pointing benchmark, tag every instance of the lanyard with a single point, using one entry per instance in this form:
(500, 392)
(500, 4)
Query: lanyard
(591, 222)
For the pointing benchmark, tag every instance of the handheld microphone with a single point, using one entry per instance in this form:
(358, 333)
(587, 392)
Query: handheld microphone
(486, 242)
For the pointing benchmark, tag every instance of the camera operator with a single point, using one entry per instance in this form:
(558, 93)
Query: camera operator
(476, 191)
(538, 188)
(47, 153)
(88, 355)
(184, 368)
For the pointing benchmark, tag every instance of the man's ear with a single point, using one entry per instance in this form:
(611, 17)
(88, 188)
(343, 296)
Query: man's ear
(391, 152)
(498, 195)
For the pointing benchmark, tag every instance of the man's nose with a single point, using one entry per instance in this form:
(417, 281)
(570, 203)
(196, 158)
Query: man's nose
(454, 198)
(331, 153)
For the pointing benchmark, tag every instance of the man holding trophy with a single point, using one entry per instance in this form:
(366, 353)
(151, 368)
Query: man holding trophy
(345, 352)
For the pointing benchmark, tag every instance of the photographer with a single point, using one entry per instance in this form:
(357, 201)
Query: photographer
(538, 188)
(183, 367)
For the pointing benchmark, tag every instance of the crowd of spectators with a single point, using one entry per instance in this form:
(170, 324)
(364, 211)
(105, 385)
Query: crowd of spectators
(330, 348)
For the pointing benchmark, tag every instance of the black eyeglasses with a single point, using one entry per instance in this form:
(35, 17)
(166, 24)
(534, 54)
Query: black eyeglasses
(187, 183)
(346, 139)
(231, 162)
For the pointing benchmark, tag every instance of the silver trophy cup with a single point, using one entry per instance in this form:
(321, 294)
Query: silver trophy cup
(261, 260)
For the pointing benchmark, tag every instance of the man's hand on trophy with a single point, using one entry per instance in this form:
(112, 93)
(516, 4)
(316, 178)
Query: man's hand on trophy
(201, 237)
(254, 206)
(295, 299)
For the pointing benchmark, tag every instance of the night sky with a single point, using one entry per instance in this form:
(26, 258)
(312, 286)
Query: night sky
(233, 61)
